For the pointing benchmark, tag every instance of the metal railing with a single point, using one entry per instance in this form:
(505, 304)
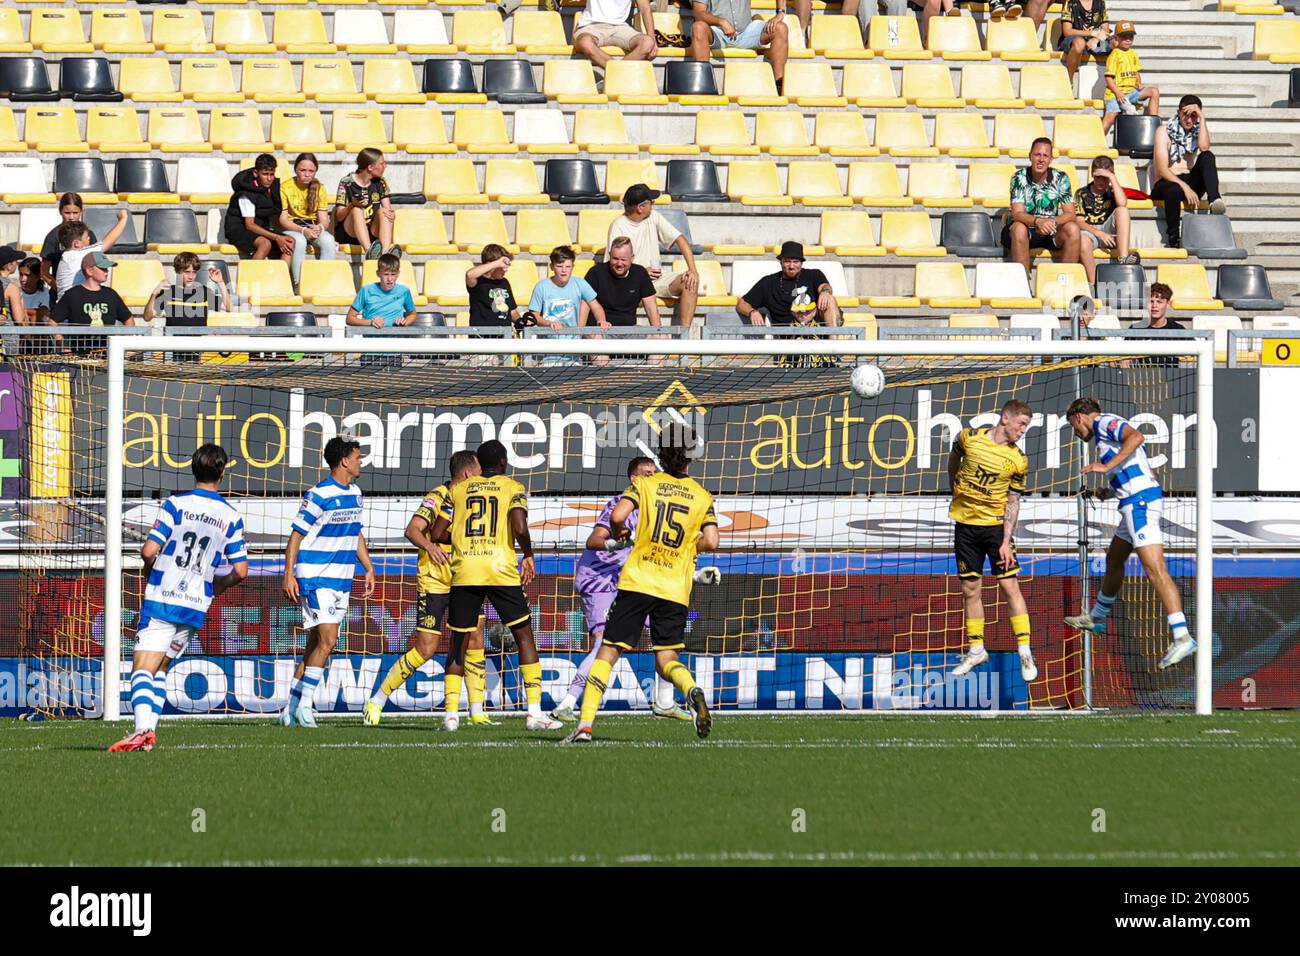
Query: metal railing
(1245, 346)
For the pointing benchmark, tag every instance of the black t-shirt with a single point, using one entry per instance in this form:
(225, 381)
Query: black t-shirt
(181, 306)
(80, 306)
(1135, 333)
(780, 296)
(51, 253)
(490, 302)
(620, 297)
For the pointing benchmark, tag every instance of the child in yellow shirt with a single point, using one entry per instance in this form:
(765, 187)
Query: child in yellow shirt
(1124, 89)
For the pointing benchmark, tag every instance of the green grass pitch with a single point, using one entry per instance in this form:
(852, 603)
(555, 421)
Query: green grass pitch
(1176, 790)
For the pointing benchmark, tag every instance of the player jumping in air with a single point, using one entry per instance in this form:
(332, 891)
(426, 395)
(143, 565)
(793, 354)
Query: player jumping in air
(483, 519)
(987, 472)
(596, 582)
(1141, 506)
(195, 531)
(678, 523)
(320, 562)
(434, 576)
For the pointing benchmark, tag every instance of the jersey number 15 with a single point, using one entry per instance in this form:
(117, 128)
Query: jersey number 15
(668, 530)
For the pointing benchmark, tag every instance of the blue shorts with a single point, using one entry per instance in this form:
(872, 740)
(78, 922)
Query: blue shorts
(1112, 105)
(1102, 48)
(747, 39)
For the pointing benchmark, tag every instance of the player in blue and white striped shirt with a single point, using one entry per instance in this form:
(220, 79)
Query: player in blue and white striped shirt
(319, 564)
(1141, 506)
(195, 533)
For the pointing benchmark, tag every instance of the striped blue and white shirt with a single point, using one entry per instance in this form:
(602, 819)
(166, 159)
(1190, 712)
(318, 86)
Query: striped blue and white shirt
(330, 524)
(198, 531)
(1134, 481)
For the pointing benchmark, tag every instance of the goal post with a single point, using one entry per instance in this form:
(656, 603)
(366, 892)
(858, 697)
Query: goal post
(789, 591)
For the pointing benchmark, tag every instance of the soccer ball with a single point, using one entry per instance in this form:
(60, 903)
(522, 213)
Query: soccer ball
(868, 381)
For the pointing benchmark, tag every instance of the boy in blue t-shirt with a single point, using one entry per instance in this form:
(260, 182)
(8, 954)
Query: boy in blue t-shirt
(385, 303)
(563, 299)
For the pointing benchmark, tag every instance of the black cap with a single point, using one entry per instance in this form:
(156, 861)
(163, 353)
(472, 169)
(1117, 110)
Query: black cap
(791, 250)
(9, 254)
(638, 193)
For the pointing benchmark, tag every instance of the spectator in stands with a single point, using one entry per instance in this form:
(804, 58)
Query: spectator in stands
(1005, 9)
(70, 208)
(648, 230)
(621, 285)
(1084, 30)
(491, 300)
(1184, 166)
(74, 237)
(1042, 209)
(1157, 318)
(385, 303)
(362, 211)
(186, 301)
(563, 300)
(605, 23)
(92, 302)
(791, 296)
(1083, 308)
(1124, 89)
(253, 215)
(730, 24)
(12, 310)
(305, 215)
(1102, 208)
(36, 297)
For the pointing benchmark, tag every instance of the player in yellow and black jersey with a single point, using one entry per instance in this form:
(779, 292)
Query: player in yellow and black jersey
(988, 473)
(675, 523)
(484, 518)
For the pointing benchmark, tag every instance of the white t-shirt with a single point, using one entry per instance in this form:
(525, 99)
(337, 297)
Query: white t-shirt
(605, 11)
(69, 273)
(646, 236)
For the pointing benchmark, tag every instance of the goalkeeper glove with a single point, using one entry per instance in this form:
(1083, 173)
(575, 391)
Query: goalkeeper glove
(709, 575)
(618, 544)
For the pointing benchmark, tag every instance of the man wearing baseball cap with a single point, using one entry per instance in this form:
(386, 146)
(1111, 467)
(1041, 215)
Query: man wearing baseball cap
(648, 230)
(11, 299)
(791, 296)
(1124, 89)
(92, 302)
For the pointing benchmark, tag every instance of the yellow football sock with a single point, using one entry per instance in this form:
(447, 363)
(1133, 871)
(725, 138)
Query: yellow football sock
(475, 675)
(452, 683)
(975, 631)
(597, 681)
(1020, 628)
(402, 669)
(680, 675)
(532, 678)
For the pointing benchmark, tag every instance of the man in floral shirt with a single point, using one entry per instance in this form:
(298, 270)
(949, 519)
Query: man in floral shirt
(1042, 210)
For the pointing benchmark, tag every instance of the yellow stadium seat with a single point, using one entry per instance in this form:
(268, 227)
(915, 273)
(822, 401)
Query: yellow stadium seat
(12, 38)
(241, 31)
(909, 234)
(1191, 286)
(299, 129)
(237, 129)
(843, 134)
(58, 30)
(1127, 175)
(540, 32)
(391, 80)
(903, 134)
(989, 184)
(755, 182)
(815, 183)
(1014, 133)
(862, 320)
(452, 182)
(53, 129)
(602, 131)
(847, 233)
(1046, 86)
(812, 84)
(798, 49)
(713, 287)
(270, 81)
(871, 85)
(265, 282)
(481, 131)
(479, 32)
(538, 231)
(988, 86)
(420, 130)
(936, 184)
(180, 30)
(1057, 283)
(621, 173)
(10, 141)
(876, 184)
(1277, 41)
(444, 281)
(475, 228)
(570, 81)
(593, 228)
(176, 129)
(209, 80)
(118, 30)
(896, 38)
(837, 37)
(979, 321)
(1080, 137)
(353, 129)
(135, 279)
(782, 133)
(1015, 40)
(146, 79)
(522, 276)
(723, 132)
(301, 31)
(750, 83)
(632, 82)
(513, 182)
(114, 129)
(929, 86)
(405, 276)
(955, 38)
(962, 134)
(327, 282)
(422, 232)
(943, 285)
(330, 81)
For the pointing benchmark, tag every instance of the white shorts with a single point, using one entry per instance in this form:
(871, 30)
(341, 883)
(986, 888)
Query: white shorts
(1139, 524)
(165, 637)
(323, 606)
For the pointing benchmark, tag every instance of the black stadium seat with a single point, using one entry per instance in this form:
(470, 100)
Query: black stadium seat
(429, 320)
(1120, 286)
(140, 175)
(221, 266)
(291, 320)
(1246, 287)
(172, 226)
(101, 219)
(449, 76)
(1136, 135)
(694, 180)
(573, 181)
(80, 174)
(511, 81)
(1210, 237)
(689, 78)
(24, 79)
(87, 79)
(970, 234)
(1293, 96)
